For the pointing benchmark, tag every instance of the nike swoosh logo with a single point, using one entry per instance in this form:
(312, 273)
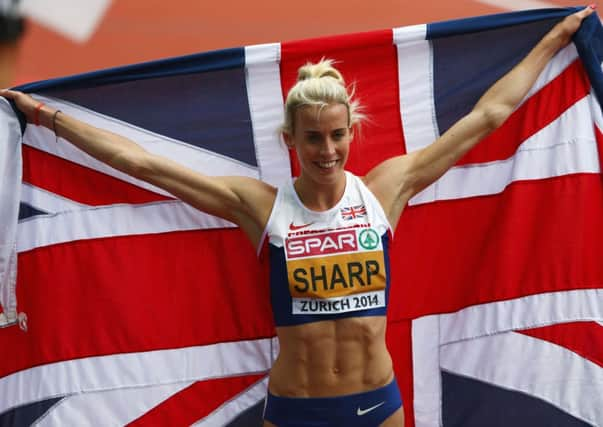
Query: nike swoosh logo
(361, 412)
(293, 227)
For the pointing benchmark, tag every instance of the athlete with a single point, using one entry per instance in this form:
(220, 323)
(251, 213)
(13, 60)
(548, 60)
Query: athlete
(327, 231)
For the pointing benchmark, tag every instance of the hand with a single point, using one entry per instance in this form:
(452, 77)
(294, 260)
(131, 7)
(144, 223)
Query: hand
(562, 32)
(34, 111)
(24, 102)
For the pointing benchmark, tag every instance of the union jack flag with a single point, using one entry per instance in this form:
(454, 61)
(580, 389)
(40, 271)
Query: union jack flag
(142, 311)
(353, 212)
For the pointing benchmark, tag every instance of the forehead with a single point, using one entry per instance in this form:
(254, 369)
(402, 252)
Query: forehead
(332, 116)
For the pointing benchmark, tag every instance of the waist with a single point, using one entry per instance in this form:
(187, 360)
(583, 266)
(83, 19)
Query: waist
(331, 402)
(331, 358)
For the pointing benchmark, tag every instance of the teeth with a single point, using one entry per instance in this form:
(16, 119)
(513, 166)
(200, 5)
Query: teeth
(327, 165)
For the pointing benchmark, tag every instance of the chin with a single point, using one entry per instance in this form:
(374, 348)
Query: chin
(330, 175)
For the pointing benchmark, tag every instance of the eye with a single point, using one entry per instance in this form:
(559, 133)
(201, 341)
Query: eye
(313, 137)
(339, 134)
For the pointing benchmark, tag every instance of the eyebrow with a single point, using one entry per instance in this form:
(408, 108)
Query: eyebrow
(318, 131)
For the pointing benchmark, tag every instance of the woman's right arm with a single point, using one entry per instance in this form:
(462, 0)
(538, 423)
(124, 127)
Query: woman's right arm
(245, 201)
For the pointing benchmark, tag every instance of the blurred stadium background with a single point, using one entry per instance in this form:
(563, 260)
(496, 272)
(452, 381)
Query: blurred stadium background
(63, 37)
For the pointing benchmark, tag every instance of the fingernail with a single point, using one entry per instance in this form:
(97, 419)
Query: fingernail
(592, 6)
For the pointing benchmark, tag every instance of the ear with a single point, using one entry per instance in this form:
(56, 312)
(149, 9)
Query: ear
(351, 134)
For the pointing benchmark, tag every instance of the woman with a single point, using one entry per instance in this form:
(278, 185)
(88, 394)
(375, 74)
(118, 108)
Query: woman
(329, 274)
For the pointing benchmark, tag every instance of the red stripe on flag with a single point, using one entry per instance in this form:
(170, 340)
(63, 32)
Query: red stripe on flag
(138, 293)
(578, 337)
(399, 344)
(79, 183)
(369, 61)
(537, 236)
(534, 114)
(195, 402)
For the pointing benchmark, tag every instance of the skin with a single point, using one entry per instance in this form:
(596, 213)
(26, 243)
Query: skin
(334, 357)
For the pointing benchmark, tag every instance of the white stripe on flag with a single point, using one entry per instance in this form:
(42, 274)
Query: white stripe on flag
(98, 222)
(534, 367)
(427, 385)
(47, 201)
(409, 33)
(11, 164)
(205, 161)
(113, 407)
(595, 111)
(234, 407)
(430, 332)
(266, 109)
(566, 146)
(417, 107)
(521, 313)
(94, 374)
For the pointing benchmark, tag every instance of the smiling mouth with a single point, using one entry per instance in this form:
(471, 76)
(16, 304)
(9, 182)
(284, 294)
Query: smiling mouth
(327, 165)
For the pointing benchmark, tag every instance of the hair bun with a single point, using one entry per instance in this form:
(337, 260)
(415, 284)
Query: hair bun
(319, 85)
(323, 68)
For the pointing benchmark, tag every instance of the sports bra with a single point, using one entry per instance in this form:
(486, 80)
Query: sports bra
(331, 264)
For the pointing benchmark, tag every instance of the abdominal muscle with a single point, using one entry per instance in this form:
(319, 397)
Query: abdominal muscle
(331, 358)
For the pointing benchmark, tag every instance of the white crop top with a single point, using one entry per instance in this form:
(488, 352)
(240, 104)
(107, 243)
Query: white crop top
(331, 264)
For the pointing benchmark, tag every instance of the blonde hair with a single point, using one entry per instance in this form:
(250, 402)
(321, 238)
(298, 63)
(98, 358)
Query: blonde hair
(320, 84)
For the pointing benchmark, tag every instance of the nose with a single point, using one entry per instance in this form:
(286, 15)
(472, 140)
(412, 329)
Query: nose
(328, 147)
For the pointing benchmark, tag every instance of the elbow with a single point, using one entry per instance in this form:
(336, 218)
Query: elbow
(493, 116)
(135, 164)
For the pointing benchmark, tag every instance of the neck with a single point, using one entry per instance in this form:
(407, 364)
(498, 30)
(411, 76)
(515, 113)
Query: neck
(319, 196)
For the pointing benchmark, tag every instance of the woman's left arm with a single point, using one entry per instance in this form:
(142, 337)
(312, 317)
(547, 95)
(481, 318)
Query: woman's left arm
(397, 179)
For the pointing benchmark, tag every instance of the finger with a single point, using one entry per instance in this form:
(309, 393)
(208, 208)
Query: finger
(7, 93)
(587, 11)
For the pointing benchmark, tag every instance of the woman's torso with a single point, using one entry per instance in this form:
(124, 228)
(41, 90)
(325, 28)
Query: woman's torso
(329, 290)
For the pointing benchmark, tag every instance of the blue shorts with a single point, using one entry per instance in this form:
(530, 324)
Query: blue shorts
(368, 409)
